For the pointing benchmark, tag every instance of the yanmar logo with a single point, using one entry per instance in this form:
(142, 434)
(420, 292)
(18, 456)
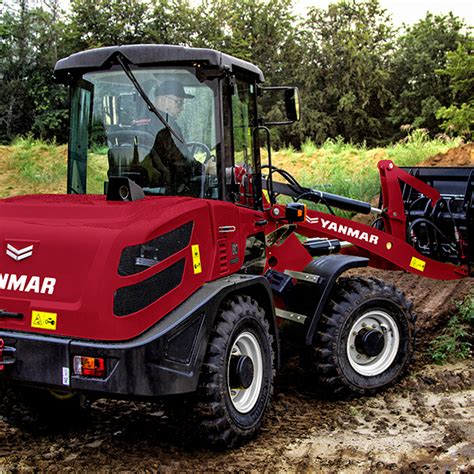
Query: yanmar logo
(344, 229)
(19, 254)
(27, 284)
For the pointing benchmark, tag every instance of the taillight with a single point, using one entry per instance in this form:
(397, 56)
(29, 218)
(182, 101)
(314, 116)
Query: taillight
(89, 366)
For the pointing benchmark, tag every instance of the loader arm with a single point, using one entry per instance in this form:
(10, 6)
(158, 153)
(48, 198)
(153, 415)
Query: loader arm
(384, 250)
(386, 247)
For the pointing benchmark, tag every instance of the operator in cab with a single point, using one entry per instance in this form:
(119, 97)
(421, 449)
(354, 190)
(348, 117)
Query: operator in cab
(169, 163)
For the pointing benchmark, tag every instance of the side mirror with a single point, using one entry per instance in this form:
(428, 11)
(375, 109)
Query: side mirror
(292, 104)
(291, 98)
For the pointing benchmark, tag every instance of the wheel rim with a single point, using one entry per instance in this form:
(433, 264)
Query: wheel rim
(244, 399)
(374, 332)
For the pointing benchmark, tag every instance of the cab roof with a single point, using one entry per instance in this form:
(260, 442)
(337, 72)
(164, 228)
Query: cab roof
(150, 55)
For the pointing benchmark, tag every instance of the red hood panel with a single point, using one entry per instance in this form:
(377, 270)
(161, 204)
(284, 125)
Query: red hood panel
(60, 254)
(64, 209)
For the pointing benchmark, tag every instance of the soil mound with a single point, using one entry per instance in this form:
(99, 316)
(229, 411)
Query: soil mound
(460, 156)
(434, 300)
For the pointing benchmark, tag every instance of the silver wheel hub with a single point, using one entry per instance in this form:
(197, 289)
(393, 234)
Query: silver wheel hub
(373, 343)
(246, 356)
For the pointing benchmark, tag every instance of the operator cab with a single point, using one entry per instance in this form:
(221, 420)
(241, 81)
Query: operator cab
(177, 121)
(203, 96)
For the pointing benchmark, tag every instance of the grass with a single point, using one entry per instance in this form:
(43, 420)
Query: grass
(309, 148)
(33, 166)
(349, 170)
(97, 171)
(455, 341)
(47, 166)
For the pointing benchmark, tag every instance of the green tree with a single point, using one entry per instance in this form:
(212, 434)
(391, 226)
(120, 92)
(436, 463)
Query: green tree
(173, 22)
(15, 107)
(344, 72)
(418, 90)
(458, 118)
(95, 23)
(29, 46)
(259, 31)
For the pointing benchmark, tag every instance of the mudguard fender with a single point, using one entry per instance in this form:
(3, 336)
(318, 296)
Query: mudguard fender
(328, 268)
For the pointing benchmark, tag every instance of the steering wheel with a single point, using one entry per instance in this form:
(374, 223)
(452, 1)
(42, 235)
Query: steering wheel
(127, 137)
(196, 147)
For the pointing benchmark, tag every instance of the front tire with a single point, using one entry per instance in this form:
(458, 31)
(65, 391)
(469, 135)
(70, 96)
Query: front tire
(365, 337)
(236, 382)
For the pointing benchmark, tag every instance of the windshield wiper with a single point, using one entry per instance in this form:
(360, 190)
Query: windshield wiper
(149, 103)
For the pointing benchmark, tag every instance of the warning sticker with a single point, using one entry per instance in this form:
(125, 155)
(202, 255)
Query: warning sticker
(196, 259)
(42, 320)
(418, 264)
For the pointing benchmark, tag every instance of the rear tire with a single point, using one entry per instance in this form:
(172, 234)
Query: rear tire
(365, 337)
(236, 383)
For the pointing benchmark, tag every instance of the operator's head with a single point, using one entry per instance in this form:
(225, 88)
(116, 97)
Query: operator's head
(169, 97)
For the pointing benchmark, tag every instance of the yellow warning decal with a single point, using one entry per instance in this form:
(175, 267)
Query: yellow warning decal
(42, 320)
(418, 264)
(196, 259)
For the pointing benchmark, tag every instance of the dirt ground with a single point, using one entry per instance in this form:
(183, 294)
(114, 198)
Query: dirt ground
(460, 156)
(422, 424)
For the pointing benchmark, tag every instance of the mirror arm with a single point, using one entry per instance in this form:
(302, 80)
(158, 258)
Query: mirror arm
(275, 88)
(271, 194)
(271, 124)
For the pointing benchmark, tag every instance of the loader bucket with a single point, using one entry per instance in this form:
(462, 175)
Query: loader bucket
(443, 231)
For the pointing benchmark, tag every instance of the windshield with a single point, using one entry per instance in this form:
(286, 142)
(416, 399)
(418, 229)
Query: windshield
(113, 133)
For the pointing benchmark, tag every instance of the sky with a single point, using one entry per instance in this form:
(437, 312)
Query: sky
(408, 11)
(402, 11)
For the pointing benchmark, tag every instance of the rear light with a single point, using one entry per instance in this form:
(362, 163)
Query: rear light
(89, 366)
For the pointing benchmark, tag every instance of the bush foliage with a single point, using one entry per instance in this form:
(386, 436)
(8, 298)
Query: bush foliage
(455, 341)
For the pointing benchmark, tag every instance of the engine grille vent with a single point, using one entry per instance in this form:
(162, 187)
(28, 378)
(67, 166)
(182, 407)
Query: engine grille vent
(222, 256)
(137, 258)
(133, 298)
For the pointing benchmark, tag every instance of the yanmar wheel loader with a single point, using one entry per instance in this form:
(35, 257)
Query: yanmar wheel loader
(170, 269)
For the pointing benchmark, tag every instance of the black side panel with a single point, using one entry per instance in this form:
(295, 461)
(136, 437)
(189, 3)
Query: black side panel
(37, 359)
(167, 359)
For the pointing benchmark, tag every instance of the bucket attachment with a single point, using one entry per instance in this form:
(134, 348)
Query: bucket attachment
(442, 230)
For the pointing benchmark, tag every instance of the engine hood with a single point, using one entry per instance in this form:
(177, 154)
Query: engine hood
(88, 210)
(60, 254)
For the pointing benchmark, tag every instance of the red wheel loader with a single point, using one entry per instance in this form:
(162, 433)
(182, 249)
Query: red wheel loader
(169, 267)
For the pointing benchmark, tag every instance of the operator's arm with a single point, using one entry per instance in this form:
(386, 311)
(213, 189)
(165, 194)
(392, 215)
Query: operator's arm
(173, 162)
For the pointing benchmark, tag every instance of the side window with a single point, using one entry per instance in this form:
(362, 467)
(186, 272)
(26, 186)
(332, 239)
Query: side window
(243, 120)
